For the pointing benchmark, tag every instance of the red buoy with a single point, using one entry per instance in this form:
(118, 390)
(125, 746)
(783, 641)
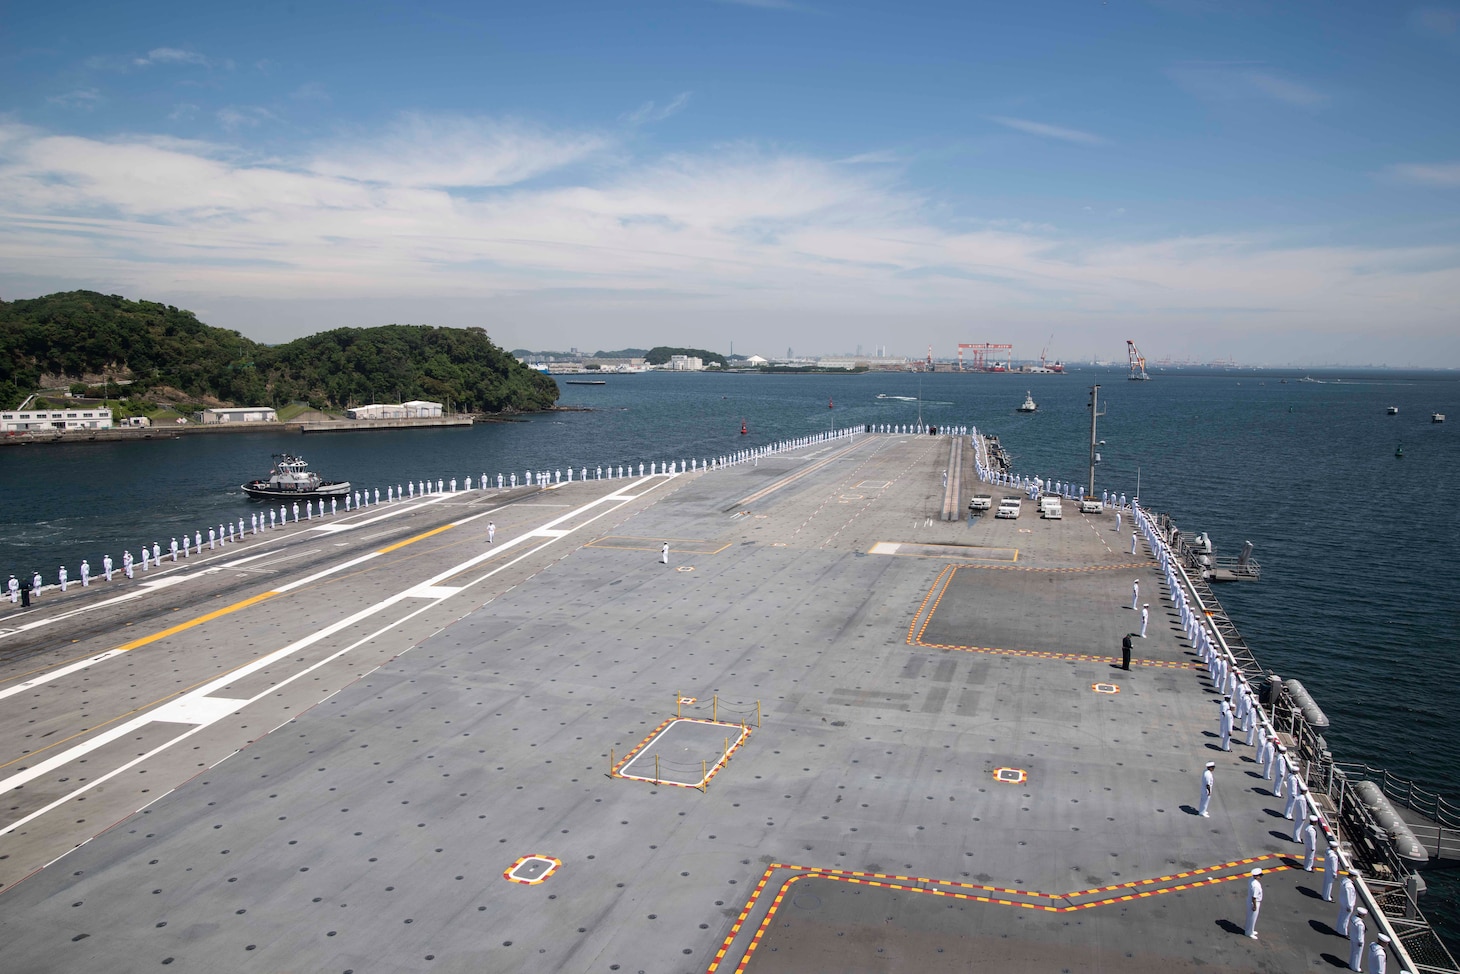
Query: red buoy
(743, 429)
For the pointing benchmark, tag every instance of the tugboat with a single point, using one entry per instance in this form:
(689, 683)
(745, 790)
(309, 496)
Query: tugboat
(1028, 406)
(1393, 410)
(289, 480)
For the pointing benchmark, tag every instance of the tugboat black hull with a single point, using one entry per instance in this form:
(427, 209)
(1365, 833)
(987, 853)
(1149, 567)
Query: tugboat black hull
(263, 490)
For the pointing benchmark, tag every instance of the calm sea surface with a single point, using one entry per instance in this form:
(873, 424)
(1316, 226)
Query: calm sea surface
(1357, 599)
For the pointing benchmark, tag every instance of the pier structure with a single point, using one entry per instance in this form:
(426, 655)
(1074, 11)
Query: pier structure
(394, 741)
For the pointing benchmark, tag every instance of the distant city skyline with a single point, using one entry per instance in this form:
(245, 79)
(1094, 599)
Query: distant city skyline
(1262, 183)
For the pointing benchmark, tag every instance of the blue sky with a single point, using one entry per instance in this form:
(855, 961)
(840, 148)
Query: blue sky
(1267, 181)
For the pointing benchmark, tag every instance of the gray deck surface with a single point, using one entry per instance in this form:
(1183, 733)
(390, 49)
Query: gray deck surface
(353, 803)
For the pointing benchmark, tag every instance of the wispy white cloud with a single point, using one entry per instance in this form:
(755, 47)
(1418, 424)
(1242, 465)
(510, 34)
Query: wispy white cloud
(1284, 90)
(313, 92)
(1047, 131)
(454, 151)
(765, 4)
(157, 56)
(172, 55)
(183, 112)
(1229, 81)
(81, 99)
(1426, 173)
(235, 117)
(878, 157)
(735, 233)
(653, 112)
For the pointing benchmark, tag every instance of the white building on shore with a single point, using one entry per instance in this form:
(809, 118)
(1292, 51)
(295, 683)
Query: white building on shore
(34, 420)
(685, 363)
(238, 414)
(415, 409)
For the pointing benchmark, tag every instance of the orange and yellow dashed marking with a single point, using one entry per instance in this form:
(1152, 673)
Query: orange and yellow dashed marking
(996, 895)
(552, 865)
(742, 732)
(940, 587)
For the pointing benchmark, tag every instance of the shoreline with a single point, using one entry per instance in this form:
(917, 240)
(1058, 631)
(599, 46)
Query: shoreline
(125, 434)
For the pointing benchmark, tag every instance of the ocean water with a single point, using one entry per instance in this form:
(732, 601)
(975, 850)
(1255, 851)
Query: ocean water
(1358, 597)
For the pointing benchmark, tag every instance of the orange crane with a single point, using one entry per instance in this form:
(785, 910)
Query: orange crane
(986, 357)
(1137, 362)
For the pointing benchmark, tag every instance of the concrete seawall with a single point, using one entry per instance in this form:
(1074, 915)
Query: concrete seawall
(128, 434)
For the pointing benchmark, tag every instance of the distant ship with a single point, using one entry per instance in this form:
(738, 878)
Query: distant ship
(290, 480)
(898, 398)
(1028, 406)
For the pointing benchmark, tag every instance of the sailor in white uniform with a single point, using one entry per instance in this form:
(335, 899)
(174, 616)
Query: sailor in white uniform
(1301, 811)
(212, 539)
(172, 546)
(1254, 902)
(1348, 893)
(13, 587)
(1226, 723)
(106, 566)
(491, 531)
(127, 564)
(1356, 940)
(1310, 843)
(1331, 866)
(1135, 595)
(61, 574)
(1378, 956)
(664, 555)
(1132, 542)
(1293, 779)
(1145, 618)
(1208, 782)
(85, 573)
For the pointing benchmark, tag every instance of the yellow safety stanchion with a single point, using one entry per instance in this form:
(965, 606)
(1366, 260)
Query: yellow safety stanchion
(610, 762)
(704, 776)
(656, 769)
(677, 701)
(715, 708)
(757, 713)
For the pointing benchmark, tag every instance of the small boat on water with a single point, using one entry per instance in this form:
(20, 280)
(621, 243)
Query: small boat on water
(1028, 406)
(1393, 410)
(584, 382)
(1437, 417)
(883, 395)
(1399, 451)
(290, 480)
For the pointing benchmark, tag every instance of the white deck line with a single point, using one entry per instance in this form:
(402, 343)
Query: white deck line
(27, 775)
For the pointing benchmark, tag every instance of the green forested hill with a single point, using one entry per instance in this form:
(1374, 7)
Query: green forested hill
(84, 334)
(394, 363)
